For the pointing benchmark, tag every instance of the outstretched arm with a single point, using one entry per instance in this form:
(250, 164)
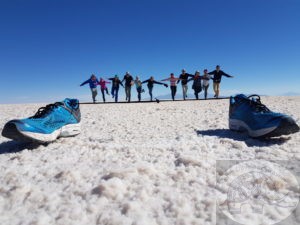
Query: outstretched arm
(145, 81)
(190, 79)
(204, 78)
(225, 74)
(85, 82)
(156, 82)
(123, 79)
(121, 83)
(166, 79)
(179, 79)
(106, 80)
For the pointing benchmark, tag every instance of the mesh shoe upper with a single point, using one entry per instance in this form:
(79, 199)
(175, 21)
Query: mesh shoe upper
(253, 113)
(51, 117)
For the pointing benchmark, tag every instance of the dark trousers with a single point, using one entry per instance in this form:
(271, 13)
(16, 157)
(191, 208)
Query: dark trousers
(150, 92)
(103, 94)
(173, 92)
(205, 91)
(139, 91)
(197, 90)
(114, 93)
(128, 92)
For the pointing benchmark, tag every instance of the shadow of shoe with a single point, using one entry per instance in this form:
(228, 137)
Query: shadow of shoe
(15, 146)
(238, 136)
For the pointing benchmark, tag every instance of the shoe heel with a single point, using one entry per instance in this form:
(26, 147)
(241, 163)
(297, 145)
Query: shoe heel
(235, 125)
(70, 130)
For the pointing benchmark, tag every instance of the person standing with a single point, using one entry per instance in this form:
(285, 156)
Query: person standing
(150, 83)
(173, 85)
(128, 83)
(206, 78)
(197, 83)
(217, 73)
(103, 87)
(184, 79)
(139, 88)
(93, 81)
(115, 87)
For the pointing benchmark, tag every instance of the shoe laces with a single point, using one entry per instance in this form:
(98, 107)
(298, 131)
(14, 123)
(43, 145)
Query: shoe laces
(45, 110)
(256, 103)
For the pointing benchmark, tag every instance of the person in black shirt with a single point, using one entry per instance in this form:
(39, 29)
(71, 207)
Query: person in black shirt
(128, 83)
(184, 79)
(150, 83)
(115, 87)
(217, 79)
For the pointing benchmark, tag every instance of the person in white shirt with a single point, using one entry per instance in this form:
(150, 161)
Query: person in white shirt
(206, 78)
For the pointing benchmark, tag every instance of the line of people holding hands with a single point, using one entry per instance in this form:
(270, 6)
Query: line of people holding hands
(199, 82)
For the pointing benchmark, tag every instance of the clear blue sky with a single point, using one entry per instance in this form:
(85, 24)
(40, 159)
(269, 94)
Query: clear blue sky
(48, 47)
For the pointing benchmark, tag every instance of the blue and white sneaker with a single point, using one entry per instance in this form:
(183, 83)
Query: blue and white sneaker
(61, 119)
(248, 113)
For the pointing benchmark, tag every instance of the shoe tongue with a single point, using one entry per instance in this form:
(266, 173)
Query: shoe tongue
(71, 103)
(241, 96)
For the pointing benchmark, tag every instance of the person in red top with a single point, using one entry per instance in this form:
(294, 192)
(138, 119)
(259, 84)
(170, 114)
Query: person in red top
(103, 87)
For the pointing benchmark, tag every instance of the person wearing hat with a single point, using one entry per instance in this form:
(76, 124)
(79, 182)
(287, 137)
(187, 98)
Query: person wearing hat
(128, 83)
(217, 77)
(173, 84)
(184, 79)
(93, 86)
(115, 87)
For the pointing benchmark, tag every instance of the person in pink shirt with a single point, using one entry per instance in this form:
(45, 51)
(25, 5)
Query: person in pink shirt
(173, 86)
(103, 87)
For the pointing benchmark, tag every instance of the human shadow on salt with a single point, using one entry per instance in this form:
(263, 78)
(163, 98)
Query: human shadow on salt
(242, 136)
(15, 146)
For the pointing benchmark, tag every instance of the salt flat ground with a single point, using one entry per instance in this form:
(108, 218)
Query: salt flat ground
(132, 164)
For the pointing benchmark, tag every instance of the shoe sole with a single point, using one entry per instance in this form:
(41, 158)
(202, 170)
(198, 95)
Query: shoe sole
(11, 131)
(284, 128)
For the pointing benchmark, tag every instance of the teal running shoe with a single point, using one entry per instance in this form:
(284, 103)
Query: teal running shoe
(249, 114)
(61, 119)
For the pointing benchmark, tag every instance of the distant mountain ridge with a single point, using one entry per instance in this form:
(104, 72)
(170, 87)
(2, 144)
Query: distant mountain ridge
(291, 93)
(180, 96)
